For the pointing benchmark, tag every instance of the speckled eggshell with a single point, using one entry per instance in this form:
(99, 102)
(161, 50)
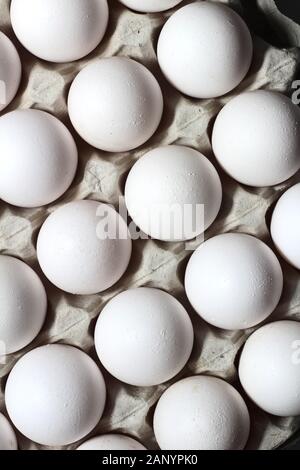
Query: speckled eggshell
(234, 281)
(256, 138)
(269, 368)
(201, 413)
(8, 440)
(111, 442)
(144, 336)
(38, 158)
(23, 305)
(285, 225)
(150, 6)
(76, 252)
(10, 71)
(59, 30)
(55, 395)
(205, 49)
(166, 188)
(115, 104)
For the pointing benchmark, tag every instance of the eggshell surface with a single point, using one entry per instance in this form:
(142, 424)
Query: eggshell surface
(173, 193)
(8, 440)
(38, 158)
(150, 6)
(234, 281)
(84, 247)
(55, 395)
(115, 104)
(23, 305)
(269, 368)
(111, 442)
(10, 71)
(211, 413)
(144, 336)
(205, 49)
(285, 225)
(256, 138)
(59, 30)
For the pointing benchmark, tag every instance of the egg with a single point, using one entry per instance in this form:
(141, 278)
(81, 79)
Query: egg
(144, 336)
(211, 413)
(84, 247)
(8, 440)
(10, 71)
(111, 442)
(55, 395)
(205, 49)
(233, 281)
(115, 104)
(59, 30)
(269, 368)
(150, 6)
(23, 305)
(285, 225)
(256, 138)
(38, 158)
(173, 193)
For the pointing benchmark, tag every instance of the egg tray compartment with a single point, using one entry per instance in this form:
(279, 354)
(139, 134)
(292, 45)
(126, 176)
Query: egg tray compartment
(101, 176)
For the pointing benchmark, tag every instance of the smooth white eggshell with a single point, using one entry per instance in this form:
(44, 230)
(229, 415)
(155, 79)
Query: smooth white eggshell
(111, 442)
(150, 6)
(205, 49)
(234, 281)
(201, 413)
(144, 336)
(269, 368)
(38, 158)
(166, 188)
(23, 305)
(55, 395)
(10, 71)
(115, 104)
(285, 225)
(8, 440)
(256, 138)
(59, 30)
(76, 252)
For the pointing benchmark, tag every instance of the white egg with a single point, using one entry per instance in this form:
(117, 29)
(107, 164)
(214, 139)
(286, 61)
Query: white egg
(234, 281)
(285, 225)
(269, 368)
(150, 6)
(84, 247)
(205, 49)
(144, 336)
(38, 158)
(23, 305)
(201, 413)
(111, 442)
(173, 193)
(8, 440)
(256, 138)
(115, 104)
(55, 395)
(59, 30)
(10, 71)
